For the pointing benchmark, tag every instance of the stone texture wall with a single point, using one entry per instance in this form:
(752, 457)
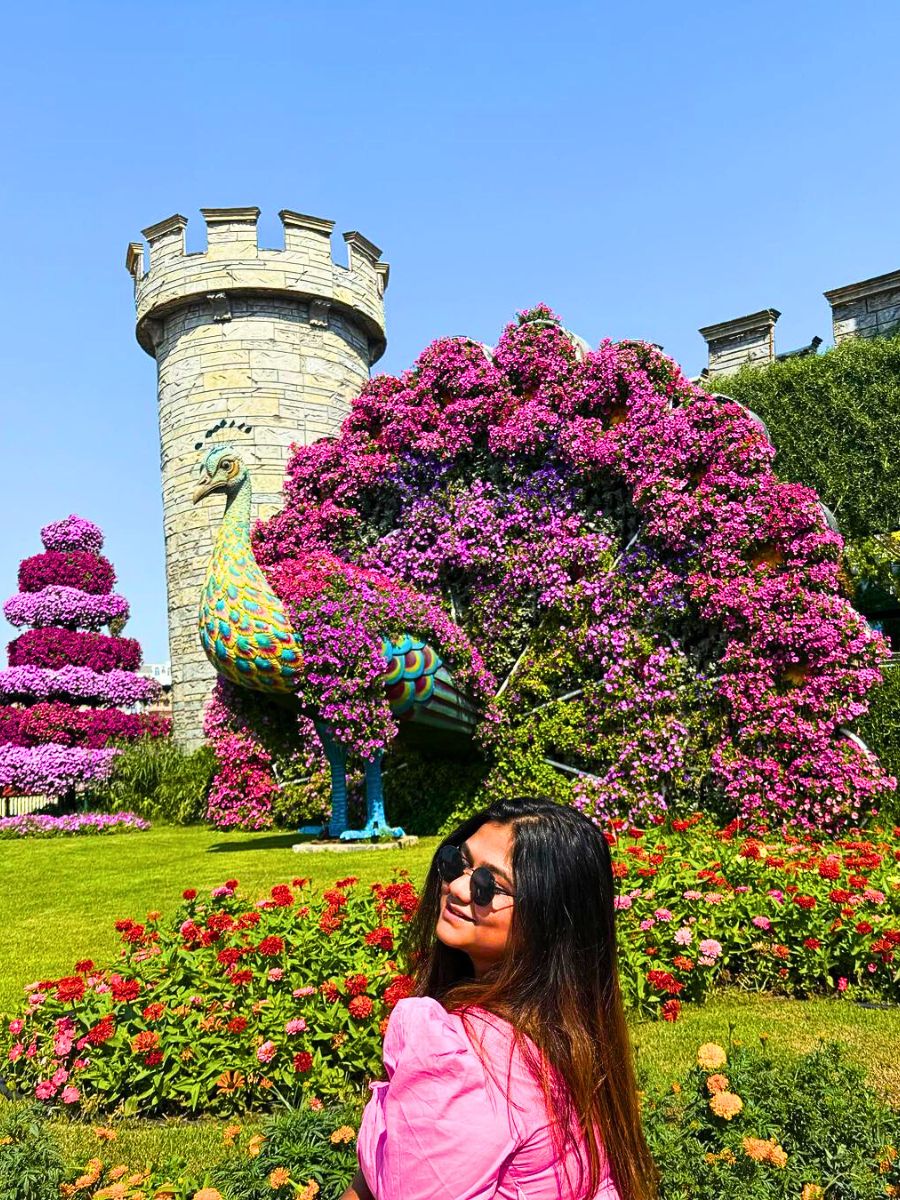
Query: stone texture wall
(279, 340)
(744, 341)
(867, 309)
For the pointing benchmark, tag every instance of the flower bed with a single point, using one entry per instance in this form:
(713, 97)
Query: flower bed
(77, 683)
(68, 607)
(82, 569)
(55, 648)
(67, 725)
(230, 1006)
(72, 533)
(51, 769)
(37, 825)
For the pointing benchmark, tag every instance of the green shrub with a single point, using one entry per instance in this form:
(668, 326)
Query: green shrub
(835, 420)
(880, 729)
(158, 781)
(31, 1164)
(310, 1145)
(799, 1127)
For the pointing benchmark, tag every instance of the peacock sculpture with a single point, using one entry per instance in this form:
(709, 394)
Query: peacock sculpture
(248, 636)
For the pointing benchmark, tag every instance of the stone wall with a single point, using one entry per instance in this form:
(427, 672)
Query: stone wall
(743, 341)
(278, 339)
(867, 309)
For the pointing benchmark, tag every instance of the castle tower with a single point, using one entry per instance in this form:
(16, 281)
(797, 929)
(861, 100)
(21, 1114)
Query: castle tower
(278, 339)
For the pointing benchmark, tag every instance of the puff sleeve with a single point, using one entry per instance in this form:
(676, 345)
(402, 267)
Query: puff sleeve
(440, 1128)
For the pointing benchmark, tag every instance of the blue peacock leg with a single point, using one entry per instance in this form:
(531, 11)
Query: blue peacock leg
(376, 822)
(337, 761)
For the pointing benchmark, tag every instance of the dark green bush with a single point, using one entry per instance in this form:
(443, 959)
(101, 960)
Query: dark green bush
(835, 420)
(825, 1129)
(880, 729)
(158, 781)
(31, 1164)
(302, 1142)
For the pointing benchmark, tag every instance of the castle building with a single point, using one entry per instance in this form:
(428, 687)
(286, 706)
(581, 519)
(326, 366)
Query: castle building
(279, 340)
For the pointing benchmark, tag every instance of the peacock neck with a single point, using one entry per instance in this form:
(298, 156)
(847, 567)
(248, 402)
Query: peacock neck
(235, 527)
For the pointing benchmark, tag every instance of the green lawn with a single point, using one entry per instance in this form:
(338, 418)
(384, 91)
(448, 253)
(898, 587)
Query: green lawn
(59, 899)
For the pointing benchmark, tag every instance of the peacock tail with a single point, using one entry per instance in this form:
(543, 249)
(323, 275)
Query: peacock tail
(243, 626)
(420, 689)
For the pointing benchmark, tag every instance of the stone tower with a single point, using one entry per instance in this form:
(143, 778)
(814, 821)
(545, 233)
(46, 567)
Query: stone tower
(278, 339)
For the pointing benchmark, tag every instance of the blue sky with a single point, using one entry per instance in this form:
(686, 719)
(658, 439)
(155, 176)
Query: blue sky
(645, 169)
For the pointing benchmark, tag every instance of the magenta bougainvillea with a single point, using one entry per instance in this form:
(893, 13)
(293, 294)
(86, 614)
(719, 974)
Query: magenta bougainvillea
(656, 620)
(60, 697)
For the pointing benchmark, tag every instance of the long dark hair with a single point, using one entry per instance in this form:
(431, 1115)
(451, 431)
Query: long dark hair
(557, 984)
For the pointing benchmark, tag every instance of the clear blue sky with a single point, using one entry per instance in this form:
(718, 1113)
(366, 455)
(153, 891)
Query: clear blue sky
(644, 168)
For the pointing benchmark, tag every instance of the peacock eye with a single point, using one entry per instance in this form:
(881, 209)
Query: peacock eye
(226, 464)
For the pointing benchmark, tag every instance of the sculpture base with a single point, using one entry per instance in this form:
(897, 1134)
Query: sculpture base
(339, 847)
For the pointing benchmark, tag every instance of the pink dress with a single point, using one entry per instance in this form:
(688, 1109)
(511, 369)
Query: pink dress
(442, 1127)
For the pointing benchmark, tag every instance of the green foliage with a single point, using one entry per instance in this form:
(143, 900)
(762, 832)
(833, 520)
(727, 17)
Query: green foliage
(835, 419)
(157, 780)
(880, 729)
(804, 1124)
(428, 793)
(31, 1165)
(310, 1145)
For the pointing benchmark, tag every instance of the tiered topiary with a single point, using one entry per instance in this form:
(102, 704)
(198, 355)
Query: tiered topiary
(63, 694)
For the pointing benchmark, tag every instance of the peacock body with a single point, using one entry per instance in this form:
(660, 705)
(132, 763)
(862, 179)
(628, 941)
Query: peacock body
(248, 637)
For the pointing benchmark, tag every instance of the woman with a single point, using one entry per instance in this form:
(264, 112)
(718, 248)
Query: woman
(509, 1072)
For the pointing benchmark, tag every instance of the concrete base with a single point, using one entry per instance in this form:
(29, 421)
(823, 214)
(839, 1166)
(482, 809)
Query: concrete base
(346, 847)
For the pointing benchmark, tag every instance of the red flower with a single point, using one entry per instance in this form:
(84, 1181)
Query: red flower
(271, 946)
(380, 937)
(84, 966)
(664, 981)
(102, 1032)
(303, 1061)
(70, 987)
(682, 963)
(148, 1040)
(619, 870)
(750, 849)
(830, 869)
(331, 920)
(237, 1025)
(863, 927)
(123, 924)
(189, 894)
(680, 826)
(134, 934)
(248, 919)
(334, 899)
(282, 895)
(812, 943)
(361, 1007)
(356, 984)
(330, 991)
(154, 1011)
(858, 881)
(229, 956)
(240, 978)
(124, 990)
(153, 1059)
(805, 901)
(671, 1010)
(348, 882)
(399, 988)
(838, 896)
(299, 883)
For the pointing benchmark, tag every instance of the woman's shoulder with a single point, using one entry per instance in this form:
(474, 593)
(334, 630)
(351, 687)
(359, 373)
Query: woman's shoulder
(421, 1028)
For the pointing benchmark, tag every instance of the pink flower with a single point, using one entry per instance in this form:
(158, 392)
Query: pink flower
(762, 923)
(303, 991)
(266, 1052)
(15, 1052)
(297, 1025)
(45, 1090)
(710, 948)
(647, 923)
(691, 894)
(683, 936)
(62, 1045)
(70, 1095)
(842, 984)
(59, 1077)
(663, 914)
(16, 1027)
(275, 973)
(622, 902)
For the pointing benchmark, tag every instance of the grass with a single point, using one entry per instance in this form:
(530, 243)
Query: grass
(59, 899)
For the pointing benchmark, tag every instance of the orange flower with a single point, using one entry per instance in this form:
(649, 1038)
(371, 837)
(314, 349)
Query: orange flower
(230, 1133)
(710, 1057)
(92, 1173)
(717, 1083)
(811, 1191)
(765, 1151)
(117, 1172)
(278, 1178)
(230, 1081)
(726, 1105)
(104, 1134)
(676, 1087)
(208, 1194)
(346, 1133)
(255, 1145)
(309, 1192)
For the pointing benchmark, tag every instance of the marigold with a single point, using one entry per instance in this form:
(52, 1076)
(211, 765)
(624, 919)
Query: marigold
(717, 1083)
(726, 1105)
(207, 1194)
(811, 1191)
(105, 1134)
(230, 1134)
(765, 1151)
(92, 1173)
(346, 1133)
(255, 1145)
(278, 1178)
(309, 1192)
(711, 1056)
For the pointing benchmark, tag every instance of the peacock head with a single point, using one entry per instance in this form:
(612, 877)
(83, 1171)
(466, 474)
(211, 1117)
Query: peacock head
(221, 471)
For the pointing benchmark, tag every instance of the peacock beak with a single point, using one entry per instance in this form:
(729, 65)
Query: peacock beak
(204, 489)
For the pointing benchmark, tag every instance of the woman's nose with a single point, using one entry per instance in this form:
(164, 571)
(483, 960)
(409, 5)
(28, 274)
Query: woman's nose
(461, 889)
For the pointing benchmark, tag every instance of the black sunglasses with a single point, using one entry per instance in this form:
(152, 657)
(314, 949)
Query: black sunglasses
(451, 864)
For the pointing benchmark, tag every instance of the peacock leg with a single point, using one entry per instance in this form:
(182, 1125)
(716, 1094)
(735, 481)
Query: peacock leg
(337, 761)
(376, 822)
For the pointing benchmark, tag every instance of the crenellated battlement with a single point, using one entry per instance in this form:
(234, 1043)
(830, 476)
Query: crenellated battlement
(234, 263)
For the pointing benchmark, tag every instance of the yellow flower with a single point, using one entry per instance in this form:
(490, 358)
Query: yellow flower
(710, 1057)
(230, 1133)
(309, 1192)
(717, 1083)
(255, 1145)
(811, 1191)
(726, 1105)
(278, 1178)
(346, 1133)
(727, 1156)
(676, 1087)
(889, 1157)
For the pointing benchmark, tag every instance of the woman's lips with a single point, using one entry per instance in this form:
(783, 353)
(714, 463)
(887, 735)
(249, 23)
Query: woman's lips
(449, 910)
